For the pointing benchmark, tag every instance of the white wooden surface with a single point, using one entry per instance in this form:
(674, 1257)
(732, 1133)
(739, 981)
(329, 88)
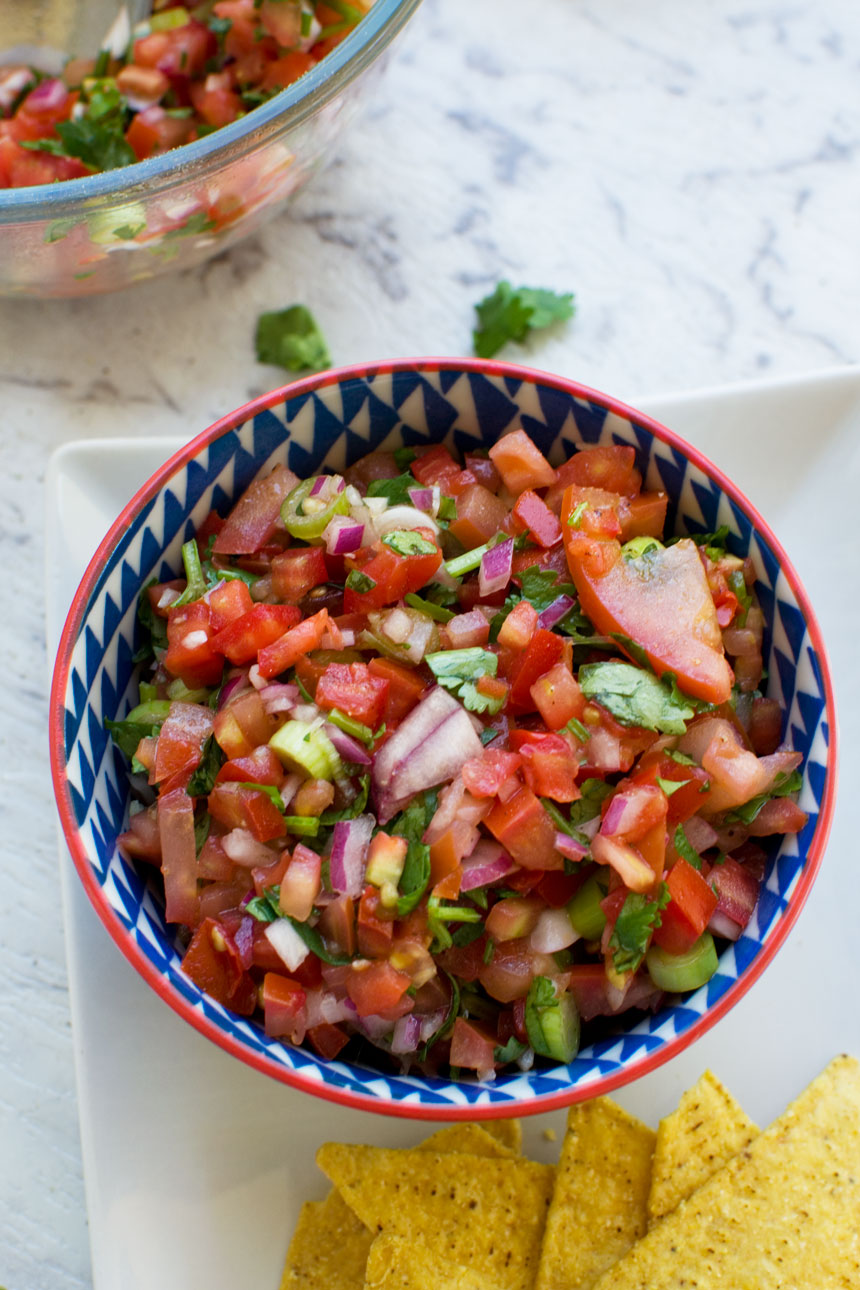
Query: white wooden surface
(690, 171)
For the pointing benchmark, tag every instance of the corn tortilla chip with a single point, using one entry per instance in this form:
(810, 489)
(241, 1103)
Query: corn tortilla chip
(397, 1264)
(329, 1248)
(508, 1132)
(465, 1139)
(784, 1213)
(601, 1192)
(330, 1245)
(486, 1214)
(706, 1130)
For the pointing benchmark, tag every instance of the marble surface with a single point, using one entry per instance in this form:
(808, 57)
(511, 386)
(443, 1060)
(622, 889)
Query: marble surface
(689, 171)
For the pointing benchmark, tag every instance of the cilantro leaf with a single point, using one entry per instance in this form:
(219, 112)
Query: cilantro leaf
(510, 1051)
(153, 627)
(408, 542)
(316, 944)
(128, 734)
(355, 808)
(451, 1017)
(632, 932)
(458, 670)
(264, 908)
(635, 697)
(97, 138)
(685, 848)
(541, 587)
(511, 313)
(395, 491)
(587, 807)
(290, 338)
(411, 824)
(212, 759)
(784, 785)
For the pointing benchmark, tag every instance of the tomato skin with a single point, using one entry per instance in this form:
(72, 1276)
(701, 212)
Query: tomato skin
(297, 571)
(238, 807)
(352, 688)
(242, 639)
(519, 627)
(683, 802)
(154, 130)
(689, 910)
(610, 467)
(525, 831)
(252, 520)
(242, 725)
(215, 101)
(262, 766)
(190, 653)
(377, 988)
(228, 602)
(435, 466)
(646, 516)
(663, 604)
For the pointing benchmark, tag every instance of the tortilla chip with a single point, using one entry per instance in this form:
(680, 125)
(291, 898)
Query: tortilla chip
(465, 1140)
(330, 1245)
(707, 1129)
(397, 1264)
(508, 1132)
(783, 1213)
(329, 1248)
(599, 1205)
(484, 1214)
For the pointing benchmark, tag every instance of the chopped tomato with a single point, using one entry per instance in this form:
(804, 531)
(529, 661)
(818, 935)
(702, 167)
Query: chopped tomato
(283, 1005)
(525, 831)
(252, 520)
(376, 988)
(276, 658)
(485, 775)
(297, 571)
(243, 638)
(390, 576)
(352, 688)
(212, 962)
(557, 696)
(480, 515)
(662, 602)
(520, 464)
(689, 910)
(227, 602)
(405, 688)
(543, 651)
(471, 1047)
(238, 807)
(191, 654)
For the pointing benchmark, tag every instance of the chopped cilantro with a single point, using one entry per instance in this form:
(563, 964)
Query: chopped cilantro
(575, 517)
(685, 849)
(578, 730)
(411, 824)
(408, 542)
(511, 313)
(636, 921)
(264, 908)
(510, 1051)
(360, 582)
(785, 784)
(395, 491)
(737, 584)
(670, 786)
(403, 457)
(97, 137)
(587, 807)
(212, 759)
(458, 670)
(290, 338)
(635, 697)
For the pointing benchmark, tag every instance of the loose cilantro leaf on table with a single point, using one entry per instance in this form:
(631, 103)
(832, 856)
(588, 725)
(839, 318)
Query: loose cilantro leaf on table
(291, 338)
(635, 697)
(632, 932)
(459, 669)
(511, 313)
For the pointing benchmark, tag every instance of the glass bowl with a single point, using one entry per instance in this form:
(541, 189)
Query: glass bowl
(172, 211)
(331, 420)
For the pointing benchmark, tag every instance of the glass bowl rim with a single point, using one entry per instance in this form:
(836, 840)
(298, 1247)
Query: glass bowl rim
(290, 108)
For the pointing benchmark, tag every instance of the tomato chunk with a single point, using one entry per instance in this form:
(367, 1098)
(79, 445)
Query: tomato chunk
(352, 688)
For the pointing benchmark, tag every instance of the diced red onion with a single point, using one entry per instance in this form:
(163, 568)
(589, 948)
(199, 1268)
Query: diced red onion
(429, 747)
(487, 864)
(244, 849)
(424, 499)
(430, 1024)
(47, 96)
(555, 612)
(322, 1006)
(259, 682)
(280, 698)
(552, 932)
(346, 640)
(318, 485)
(496, 568)
(289, 788)
(700, 834)
(603, 751)
(628, 809)
(722, 925)
(350, 749)
(348, 860)
(12, 82)
(373, 1027)
(407, 1034)
(230, 688)
(342, 534)
(287, 944)
(569, 847)
(244, 939)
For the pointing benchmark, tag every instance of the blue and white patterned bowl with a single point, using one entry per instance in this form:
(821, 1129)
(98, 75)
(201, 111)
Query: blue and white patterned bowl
(331, 420)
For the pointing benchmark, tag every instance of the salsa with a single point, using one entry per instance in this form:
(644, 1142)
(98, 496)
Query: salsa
(455, 758)
(182, 73)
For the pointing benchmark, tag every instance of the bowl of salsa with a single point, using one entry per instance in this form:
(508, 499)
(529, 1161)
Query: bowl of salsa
(444, 738)
(179, 136)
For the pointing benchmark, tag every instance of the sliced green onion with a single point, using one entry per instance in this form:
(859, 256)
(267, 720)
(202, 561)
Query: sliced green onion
(439, 612)
(302, 826)
(350, 726)
(584, 912)
(677, 973)
(194, 575)
(471, 560)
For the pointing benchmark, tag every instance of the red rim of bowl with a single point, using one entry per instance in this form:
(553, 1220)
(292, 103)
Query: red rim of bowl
(298, 1079)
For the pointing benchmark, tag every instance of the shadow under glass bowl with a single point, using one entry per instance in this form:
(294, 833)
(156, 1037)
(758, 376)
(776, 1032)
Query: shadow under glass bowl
(107, 231)
(330, 421)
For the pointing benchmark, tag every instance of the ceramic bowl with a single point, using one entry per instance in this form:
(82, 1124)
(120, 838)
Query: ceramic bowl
(331, 420)
(109, 230)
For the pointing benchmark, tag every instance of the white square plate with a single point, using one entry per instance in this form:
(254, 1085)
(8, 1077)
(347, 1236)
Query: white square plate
(195, 1165)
